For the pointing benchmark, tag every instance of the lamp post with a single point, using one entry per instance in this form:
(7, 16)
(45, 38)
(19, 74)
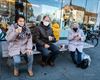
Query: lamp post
(85, 4)
(85, 10)
(70, 2)
(97, 23)
(61, 12)
(26, 10)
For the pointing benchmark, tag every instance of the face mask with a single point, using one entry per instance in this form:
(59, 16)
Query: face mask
(46, 23)
(75, 29)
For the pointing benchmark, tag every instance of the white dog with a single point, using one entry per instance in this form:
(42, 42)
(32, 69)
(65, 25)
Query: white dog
(86, 56)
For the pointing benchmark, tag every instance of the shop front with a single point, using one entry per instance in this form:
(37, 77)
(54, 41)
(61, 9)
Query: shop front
(34, 10)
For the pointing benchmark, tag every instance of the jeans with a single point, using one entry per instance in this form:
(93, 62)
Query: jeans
(46, 52)
(17, 61)
(76, 59)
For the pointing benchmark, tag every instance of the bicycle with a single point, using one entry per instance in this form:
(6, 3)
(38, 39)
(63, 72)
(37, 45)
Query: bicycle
(92, 38)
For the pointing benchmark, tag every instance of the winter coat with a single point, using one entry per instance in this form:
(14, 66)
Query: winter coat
(17, 45)
(43, 33)
(73, 44)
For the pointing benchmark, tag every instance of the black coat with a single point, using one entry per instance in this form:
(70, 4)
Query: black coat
(42, 33)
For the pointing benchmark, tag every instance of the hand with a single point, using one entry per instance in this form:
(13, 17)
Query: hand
(78, 38)
(19, 30)
(29, 52)
(76, 35)
(51, 38)
(46, 46)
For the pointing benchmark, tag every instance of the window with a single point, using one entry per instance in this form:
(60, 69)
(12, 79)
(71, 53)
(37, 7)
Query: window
(34, 10)
(42, 7)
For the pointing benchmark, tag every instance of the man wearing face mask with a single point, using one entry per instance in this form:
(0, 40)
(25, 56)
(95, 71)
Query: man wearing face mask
(76, 38)
(44, 42)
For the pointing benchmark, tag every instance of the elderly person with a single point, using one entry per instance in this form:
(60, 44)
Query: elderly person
(20, 42)
(76, 38)
(44, 42)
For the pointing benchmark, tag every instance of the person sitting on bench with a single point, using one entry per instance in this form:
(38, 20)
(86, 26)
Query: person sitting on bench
(76, 39)
(20, 42)
(44, 42)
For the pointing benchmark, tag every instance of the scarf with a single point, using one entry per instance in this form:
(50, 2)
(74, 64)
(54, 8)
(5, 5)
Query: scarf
(25, 32)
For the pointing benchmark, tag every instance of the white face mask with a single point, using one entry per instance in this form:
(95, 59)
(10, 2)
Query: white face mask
(46, 23)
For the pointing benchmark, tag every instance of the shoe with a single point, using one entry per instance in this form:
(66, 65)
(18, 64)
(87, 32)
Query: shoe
(43, 64)
(30, 72)
(16, 72)
(52, 64)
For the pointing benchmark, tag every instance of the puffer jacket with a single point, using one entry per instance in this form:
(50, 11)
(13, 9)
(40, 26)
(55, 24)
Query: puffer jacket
(43, 32)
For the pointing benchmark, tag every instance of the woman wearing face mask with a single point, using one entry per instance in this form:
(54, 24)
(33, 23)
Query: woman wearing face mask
(76, 38)
(20, 42)
(44, 42)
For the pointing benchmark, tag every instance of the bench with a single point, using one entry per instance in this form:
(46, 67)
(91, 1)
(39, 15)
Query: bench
(62, 44)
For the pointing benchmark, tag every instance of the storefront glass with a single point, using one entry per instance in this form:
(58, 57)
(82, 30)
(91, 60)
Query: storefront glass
(7, 11)
(42, 7)
(34, 10)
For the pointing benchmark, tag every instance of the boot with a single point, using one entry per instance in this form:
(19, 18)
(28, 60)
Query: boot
(52, 64)
(16, 72)
(30, 72)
